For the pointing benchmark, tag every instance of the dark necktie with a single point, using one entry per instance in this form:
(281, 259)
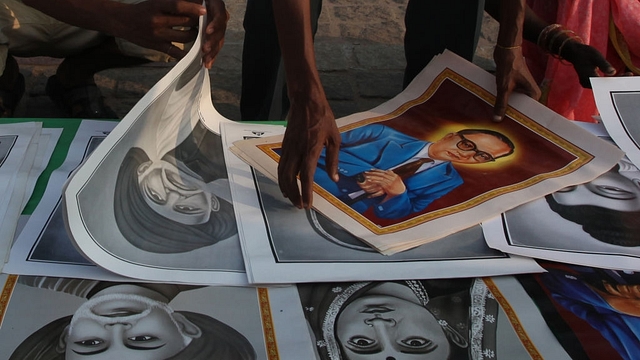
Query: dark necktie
(410, 168)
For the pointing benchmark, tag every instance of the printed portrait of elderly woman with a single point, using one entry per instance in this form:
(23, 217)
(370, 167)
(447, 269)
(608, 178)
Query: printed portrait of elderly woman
(129, 321)
(179, 202)
(414, 319)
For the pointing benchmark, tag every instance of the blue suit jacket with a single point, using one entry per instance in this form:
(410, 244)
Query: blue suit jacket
(377, 146)
(620, 329)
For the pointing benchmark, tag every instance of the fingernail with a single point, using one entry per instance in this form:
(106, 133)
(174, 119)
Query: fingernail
(497, 118)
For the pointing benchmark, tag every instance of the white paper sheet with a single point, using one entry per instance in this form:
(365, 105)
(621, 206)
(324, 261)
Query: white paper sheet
(43, 246)
(25, 182)
(447, 319)
(18, 146)
(48, 140)
(145, 226)
(259, 323)
(526, 317)
(449, 96)
(536, 230)
(618, 101)
(282, 244)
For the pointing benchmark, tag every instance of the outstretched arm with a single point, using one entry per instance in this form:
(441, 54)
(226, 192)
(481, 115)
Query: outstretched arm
(512, 72)
(586, 60)
(151, 24)
(557, 40)
(310, 124)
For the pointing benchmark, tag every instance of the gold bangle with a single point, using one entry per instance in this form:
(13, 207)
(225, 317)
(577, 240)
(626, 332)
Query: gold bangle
(544, 34)
(560, 48)
(508, 47)
(574, 38)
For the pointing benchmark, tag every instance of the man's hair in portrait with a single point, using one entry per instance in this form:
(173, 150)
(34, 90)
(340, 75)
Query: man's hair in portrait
(150, 231)
(611, 226)
(493, 133)
(218, 341)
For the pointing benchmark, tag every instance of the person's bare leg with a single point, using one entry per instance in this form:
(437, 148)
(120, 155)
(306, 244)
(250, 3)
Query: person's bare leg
(11, 87)
(78, 70)
(74, 88)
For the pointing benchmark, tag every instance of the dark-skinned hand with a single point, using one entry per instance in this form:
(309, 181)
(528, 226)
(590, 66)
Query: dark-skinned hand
(217, 18)
(587, 61)
(155, 24)
(512, 74)
(310, 127)
(160, 27)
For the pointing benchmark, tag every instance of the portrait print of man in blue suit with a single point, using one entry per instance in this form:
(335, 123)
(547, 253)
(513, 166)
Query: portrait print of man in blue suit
(396, 174)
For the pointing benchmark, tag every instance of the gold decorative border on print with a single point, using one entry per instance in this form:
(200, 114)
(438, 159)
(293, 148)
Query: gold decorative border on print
(513, 319)
(5, 296)
(267, 325)
(581, 157)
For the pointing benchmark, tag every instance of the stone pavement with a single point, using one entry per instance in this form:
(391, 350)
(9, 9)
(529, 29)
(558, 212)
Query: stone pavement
(358, 49)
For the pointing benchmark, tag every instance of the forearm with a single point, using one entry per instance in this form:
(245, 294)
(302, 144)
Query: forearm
(153, 24)
(532, 26)
(99, 15)
(293, 22)
(310, 123)
(511, 18)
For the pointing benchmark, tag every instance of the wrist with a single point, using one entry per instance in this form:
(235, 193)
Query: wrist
(556, 40)
(305, 87)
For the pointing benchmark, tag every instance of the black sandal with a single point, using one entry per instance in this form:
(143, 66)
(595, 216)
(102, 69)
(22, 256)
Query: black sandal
(9, 99)
(82, 102)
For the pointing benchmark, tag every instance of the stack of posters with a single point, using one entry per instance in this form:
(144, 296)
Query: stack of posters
(25, 149)
(159, 200)
(43, 246)
(596, 223)
(153, 201)
(284, 244)
(473, 318)
(453, 166)
(155, 238)
(58, 318)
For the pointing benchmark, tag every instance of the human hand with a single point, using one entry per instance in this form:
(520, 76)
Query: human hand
(156, 24)
(217, 18)
(382, 182)
(630, 291)
(512, 73)
(311, 126)
(621, 297)
(586, 60)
